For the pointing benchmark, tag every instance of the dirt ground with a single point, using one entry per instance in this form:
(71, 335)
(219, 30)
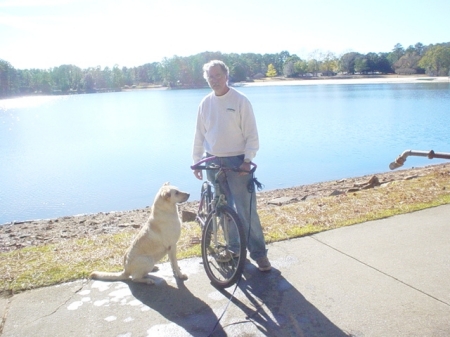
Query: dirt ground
(32, 233)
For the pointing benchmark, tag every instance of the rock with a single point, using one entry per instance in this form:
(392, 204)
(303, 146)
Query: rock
(336, 192)
(47, 231)
(373, 181)
(281, 201)
(309, 197)
(195, 240)
(350, 190)
(187, 216)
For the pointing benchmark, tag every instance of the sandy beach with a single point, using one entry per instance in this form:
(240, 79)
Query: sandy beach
(396, 79)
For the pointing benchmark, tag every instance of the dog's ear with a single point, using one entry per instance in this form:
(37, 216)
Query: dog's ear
(166, 183)
(165, 193)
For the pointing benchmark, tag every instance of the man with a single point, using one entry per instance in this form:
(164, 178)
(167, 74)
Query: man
(226, 128)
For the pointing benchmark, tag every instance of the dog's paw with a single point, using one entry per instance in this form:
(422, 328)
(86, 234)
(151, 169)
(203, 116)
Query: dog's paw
(182, 276)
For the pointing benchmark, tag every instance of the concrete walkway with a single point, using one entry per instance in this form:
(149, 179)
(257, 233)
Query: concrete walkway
(384, 278)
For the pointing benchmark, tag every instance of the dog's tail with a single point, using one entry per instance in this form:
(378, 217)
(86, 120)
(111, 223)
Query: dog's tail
(106, 276)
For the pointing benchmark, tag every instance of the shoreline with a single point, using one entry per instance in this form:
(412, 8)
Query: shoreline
(50, 231)
(339, 80)
(386, 79)
(282, 81)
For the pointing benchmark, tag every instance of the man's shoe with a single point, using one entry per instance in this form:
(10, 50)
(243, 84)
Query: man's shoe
(264, 264)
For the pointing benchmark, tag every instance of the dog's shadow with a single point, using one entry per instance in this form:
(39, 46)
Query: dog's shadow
(178, 305)
(277, 308)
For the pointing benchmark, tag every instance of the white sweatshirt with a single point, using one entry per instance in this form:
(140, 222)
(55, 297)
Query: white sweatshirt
(226, 126)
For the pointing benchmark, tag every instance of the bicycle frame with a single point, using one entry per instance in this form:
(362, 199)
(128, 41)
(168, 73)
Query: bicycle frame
(219, 197)
(430, 155)
(201, 205)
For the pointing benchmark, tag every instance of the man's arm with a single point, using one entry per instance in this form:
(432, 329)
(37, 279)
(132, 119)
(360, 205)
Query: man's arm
(198, 148)
(249, 130)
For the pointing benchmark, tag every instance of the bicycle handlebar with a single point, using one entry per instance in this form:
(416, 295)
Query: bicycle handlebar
(199, 166)
(430, 154)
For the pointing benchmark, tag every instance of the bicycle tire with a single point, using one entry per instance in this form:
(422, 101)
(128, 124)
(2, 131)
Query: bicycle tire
(223, 274)
(205, 203)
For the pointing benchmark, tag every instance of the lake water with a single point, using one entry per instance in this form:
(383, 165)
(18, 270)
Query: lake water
(67, 155)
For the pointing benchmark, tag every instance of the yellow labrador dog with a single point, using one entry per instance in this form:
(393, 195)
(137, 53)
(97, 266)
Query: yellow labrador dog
(157, 237)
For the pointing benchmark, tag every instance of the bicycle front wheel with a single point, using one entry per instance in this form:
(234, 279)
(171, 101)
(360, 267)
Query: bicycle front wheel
(223, 247)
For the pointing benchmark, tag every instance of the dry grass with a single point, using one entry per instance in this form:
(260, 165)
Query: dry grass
(40, 266)
(326, 213)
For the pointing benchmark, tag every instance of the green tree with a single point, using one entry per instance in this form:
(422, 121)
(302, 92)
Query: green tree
(347, 62)
(269, 59)
(396, 53)
(328, 64)
(129, 75)
(289, 69)
(280, 60)
(382, 64)
(66, 77)
(289, 66)
(6, 77)
(419, 48)
(361, 65)
(105, 78)
(436, 60)
(117, 78)
(313, 66)
(238, 73)
(254, 64)
(170, 71)
(301, 67)
(42, 81)
(89, 83)
(377, 63)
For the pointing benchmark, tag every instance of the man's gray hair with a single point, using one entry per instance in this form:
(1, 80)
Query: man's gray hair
(213, 63)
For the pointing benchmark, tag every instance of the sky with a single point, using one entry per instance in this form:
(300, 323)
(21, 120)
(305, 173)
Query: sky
(88, 33)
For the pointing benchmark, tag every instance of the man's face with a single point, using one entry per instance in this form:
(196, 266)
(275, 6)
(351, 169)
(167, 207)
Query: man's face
(217, 80)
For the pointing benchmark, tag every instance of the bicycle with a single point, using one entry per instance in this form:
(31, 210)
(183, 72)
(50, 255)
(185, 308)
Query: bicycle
(223, 242)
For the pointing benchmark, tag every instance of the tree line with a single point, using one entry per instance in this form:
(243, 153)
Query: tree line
(186, 72)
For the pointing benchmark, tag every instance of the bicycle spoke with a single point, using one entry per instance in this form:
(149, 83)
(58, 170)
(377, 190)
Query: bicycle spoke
(223, 247)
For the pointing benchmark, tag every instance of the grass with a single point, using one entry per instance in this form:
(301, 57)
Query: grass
(40, 266)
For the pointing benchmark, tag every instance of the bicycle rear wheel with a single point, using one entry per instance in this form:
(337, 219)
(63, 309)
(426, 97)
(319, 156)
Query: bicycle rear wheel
(223, 247)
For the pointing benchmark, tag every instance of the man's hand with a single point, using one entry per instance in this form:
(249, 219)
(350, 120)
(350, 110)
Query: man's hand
(244, 167)
(198, 174)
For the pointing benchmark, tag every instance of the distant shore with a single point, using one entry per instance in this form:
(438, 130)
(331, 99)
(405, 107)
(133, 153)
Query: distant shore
(344, 79)
(382, 79)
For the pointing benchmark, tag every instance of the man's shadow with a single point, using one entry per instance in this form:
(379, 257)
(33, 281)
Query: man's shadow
(178, 305)
(277, 308)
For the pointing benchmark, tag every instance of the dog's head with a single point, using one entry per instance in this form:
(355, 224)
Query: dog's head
(172, 194)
